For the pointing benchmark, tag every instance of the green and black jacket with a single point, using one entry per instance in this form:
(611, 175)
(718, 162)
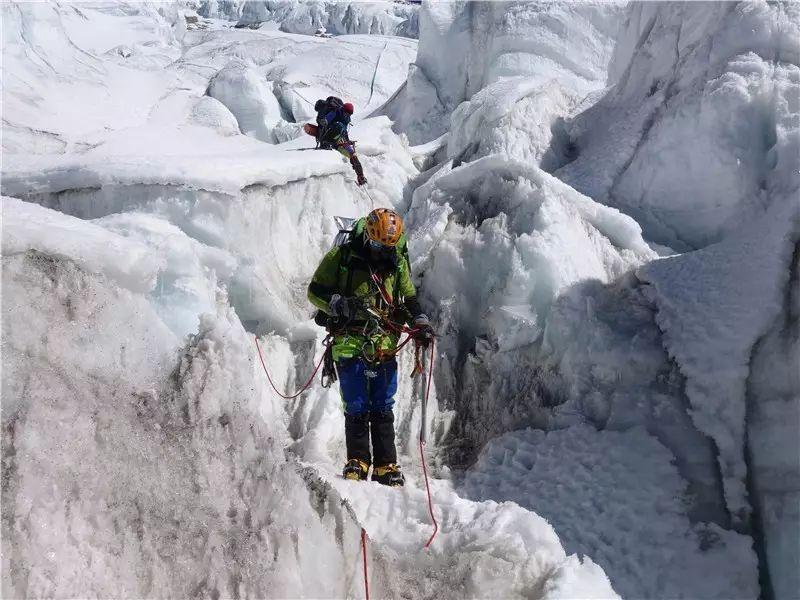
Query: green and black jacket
(345, 270)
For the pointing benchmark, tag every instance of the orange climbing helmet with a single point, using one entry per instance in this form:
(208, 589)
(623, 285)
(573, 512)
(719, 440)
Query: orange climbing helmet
(384, 226)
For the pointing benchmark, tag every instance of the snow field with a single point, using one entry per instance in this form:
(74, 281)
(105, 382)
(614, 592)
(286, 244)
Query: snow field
(144, 76)
(604, 499)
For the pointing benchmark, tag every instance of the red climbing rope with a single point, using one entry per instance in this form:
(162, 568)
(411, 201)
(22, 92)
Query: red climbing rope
(422, 451)
(303, 389)
(364, 553)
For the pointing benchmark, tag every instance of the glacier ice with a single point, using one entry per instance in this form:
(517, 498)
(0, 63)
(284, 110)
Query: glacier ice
(466, 46)
(636, 410)
(725, 75)
(336, 16)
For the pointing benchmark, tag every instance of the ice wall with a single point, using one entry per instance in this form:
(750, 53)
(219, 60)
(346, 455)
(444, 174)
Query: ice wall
(727, 314)
(773, 428)
(128, 473)
(699, 139)
(465, 46)
(700, 132)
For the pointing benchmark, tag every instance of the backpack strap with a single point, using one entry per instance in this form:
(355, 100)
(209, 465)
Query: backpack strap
(345, 257)
(344, 263)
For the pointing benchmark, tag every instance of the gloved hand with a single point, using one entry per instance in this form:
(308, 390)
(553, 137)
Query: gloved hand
(424, 332)
(342, 308)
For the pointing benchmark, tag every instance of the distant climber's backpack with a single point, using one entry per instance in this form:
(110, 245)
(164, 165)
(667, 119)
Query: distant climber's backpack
(331, 103)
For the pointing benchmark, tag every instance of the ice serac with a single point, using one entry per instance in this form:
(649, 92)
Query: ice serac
(230, 10)
(250, 99)
(725, 312)
(699, 133)
(466, 46)
(337, 17)
(511, 239)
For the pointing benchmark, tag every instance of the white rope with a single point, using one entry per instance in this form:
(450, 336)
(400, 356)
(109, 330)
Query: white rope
(364, 190)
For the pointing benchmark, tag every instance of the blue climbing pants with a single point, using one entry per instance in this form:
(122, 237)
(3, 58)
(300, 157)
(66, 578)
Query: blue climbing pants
(368, 395)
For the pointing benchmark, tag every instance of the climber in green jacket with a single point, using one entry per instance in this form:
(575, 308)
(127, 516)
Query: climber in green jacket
(364, 287)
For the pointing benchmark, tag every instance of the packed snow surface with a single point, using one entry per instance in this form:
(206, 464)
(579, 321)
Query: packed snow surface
(583, 480)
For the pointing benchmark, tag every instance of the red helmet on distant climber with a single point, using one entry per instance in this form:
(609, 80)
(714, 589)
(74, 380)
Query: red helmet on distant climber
(348, 108)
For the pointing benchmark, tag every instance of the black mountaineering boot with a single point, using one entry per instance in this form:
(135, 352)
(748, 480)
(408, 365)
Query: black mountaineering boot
(386, 470)
(388, 475)
(355, 470)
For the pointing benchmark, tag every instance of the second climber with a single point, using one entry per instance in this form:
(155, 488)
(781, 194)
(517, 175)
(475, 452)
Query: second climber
(333, 119)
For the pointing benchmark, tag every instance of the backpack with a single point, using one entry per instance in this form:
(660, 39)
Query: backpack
(331, 103)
